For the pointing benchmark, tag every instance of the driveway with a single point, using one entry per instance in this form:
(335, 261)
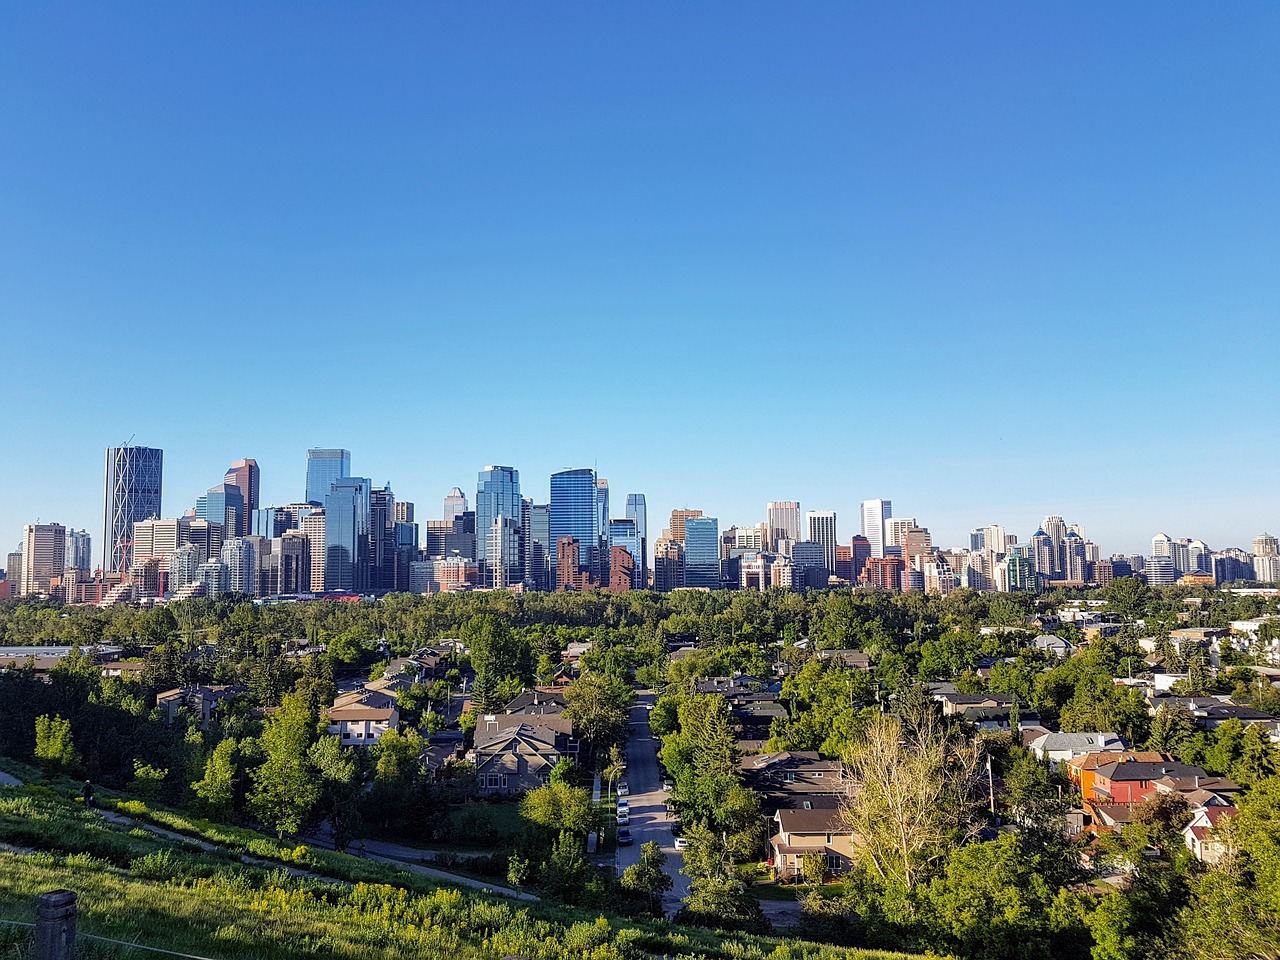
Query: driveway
(649, 819)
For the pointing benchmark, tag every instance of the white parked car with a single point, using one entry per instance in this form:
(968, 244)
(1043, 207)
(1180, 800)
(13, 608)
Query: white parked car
(624, 806)
(667, 786)
(624, 817)
(681, 843)
(623, 789)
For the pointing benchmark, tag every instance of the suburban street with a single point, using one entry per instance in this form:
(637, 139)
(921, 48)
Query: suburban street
(649, 819)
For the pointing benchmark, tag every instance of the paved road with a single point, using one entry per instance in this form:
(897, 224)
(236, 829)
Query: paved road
(649, 819)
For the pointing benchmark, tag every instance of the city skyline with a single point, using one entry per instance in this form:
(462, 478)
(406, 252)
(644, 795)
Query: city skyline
(849, 520)
(971, 263)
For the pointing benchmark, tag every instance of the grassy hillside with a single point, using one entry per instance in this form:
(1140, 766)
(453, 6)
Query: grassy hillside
(138, 887)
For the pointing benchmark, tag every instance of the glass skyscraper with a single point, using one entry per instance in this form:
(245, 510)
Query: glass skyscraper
(346, 535)
(131, 493)
(574, 514)
(223, 504)
(702, 552)
(637, 511)
(498, 497)
(324, 467)
(624, 533)
(541, 547)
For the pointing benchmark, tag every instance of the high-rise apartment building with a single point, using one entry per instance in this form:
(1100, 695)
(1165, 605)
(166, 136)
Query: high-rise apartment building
(668, 565)
(859, 554)
(346, 535)
(1266, 546)
(1162, 545)
(324, 466)
(239, 558)
(501, 567)
(874, 515)
(44, 553)
(822, 529)
(156, 538)
(313, 529)
(498, 497)
(79, 551)
(1056, 529)
(638, 511)
(243, 475)
(132, 492)
(574, 514)
(1160, 571)
(183, 567)
(782, 522)
(701, 552)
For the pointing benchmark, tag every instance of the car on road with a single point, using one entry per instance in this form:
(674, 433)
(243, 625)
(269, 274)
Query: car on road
(667, 786)
(623, 789)
(681, 843)
(624, 817)
(624, 806)
(624, 837)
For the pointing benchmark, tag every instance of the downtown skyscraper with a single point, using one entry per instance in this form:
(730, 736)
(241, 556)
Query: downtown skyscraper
(131, 492)
(323, 467)
(574, 513)
(499, 510)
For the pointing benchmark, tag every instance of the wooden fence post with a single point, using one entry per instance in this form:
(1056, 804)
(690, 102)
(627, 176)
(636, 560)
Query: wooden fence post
(56, 926)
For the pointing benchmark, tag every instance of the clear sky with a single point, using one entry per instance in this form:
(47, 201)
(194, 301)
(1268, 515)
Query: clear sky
(988, 260)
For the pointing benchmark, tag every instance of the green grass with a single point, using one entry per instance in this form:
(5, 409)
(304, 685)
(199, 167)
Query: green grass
(142, 888)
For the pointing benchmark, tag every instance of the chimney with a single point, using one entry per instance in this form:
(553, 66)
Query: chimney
(1197, 781)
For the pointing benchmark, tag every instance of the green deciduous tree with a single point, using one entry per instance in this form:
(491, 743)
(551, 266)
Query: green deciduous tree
(55, 750)
(285, 786)
(216, 789)
(559, 807)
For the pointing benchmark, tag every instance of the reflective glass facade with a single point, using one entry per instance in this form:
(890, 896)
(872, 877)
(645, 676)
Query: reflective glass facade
(324, 467)
(497, 495)
(624, 533)
(702, 552)
(574, 514)
(133, 484)
(346, 535)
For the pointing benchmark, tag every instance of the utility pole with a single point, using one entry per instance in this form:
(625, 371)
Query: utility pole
(991, 786)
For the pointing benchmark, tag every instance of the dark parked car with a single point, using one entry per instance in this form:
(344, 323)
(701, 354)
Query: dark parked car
(624, 836)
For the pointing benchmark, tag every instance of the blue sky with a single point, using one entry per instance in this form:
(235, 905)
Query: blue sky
(991, 261)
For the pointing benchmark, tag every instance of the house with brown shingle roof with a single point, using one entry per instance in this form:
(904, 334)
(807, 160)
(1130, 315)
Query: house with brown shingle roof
(801, 832)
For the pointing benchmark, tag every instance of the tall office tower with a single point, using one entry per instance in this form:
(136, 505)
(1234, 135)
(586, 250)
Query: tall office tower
(206, 536)
(977, 539)
(502, 554)
(239, 559)
(538, 556)
(822, 529)
(895, 531)
(382, 544)
(498, 495)
(132, 493)
(293, 564)
(751, 538)
(13, 570)
(1160, 571)
(224, 505)
(1162, 545)
(461, 541)
(573, 514)
(859, 554)
(79, 550)
(183, 567)
(702, 552)
(994, 540)
(404, 511)
(625, 534)
(346, 535)
(156, 538)
(809, 560)
(678, 520)
(526, 538)
(639, 512)
(1073, 551)
(602, 531)
(455, 504)
(323, 467)
(1092, 553)
(313, 529)
(874, 515)
(1266, 546)
(44, 558)
(406, 552)
(243, 475)
(437, 534)
(782, 521)
(1056, 528)
(668, 565)
(1042, 553)
(916, 542)
(568, 564)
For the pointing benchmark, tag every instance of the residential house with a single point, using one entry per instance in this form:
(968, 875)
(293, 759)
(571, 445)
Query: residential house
(1082, 769)
(852, 659)
(957, 704)
(801, 832)
(514, 760)
(204, 700)
(361, 717)
(1054, 645)
(1133, 781)
(788, 778)
(539, 701)
(555, 727)
(1059, 747)
(1201, 836)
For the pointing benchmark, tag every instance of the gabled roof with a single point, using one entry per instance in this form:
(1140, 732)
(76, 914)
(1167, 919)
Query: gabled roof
(535, 737)
(1091, 761)
(828, 820)
(1078, 743)
(1126, 771)
(536, 697)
